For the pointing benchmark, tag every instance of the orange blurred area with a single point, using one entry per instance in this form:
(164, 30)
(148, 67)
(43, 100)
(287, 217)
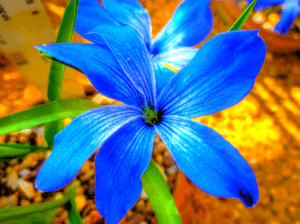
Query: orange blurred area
(264, 127)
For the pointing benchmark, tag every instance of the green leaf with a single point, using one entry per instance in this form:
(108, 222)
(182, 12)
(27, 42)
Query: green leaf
(57, 69)
(242, 19)
(10, 151)
(51, 129)
(46, 217)
(38, 213)
(22, 212)
(41, 114)
(160, 196)
(65, 34)
(74, 215)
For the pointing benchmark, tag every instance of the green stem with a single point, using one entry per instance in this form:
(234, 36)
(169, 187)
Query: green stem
(65, 34)
(160, 196)
(57, 69)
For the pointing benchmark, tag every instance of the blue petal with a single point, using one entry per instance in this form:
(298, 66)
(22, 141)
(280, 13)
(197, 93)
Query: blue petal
(262, 4)
(132, 56)
(78, 140)
(131, 13)
(290, 12)
(162, 76)
(101, 68)
(220, 75)
(208, 160)
(91, 14)
(190, 24)
(120, 162)
(177, 58)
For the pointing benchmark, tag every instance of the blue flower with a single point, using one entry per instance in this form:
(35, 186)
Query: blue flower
(290, 11)
(220, 75)
(190, 24)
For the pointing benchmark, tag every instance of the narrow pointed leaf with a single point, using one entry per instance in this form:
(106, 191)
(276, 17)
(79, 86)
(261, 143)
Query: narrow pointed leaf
(46, 217)
(10, 151)
(242, 19)
(19, 214)
(65, 34)
(74, 215)
(57, 69)
(160, 196)
(52, 111)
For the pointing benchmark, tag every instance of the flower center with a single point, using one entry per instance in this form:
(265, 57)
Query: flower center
(150, 114)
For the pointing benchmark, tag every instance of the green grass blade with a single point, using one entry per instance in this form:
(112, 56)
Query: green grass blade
(65, 34)
(242, 19)
(19, 214)
(45, 113)
(10, 151)
(160, 196)
(74, 215)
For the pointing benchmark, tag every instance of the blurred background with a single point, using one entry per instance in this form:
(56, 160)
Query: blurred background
(264, 127)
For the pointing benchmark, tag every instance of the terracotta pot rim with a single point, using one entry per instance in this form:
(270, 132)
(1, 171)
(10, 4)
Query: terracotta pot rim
(275, 42)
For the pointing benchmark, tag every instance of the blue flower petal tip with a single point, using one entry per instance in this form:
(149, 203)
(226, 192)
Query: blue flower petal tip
(247, 198)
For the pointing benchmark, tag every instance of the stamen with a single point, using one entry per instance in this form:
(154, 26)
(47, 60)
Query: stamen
(150, 114)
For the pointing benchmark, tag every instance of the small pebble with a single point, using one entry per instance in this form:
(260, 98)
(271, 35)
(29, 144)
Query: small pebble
(11, 200)
(159, 158)
(12, 180)
(267, 26)
(38, 198)
(259, 17)
(143, 194)
(26, 131)
(80, 189)
(87, 175)
(13, 162)
(273, 18)
(172, 169)
(96, 217)
(58, 196)
(149, 208)
(24, 172)
(27, 188)
(64, 215)
(80, 201)
(67, 121)
(30, 161)
(129, 214)
(17, 167)
(140, 205)
(168, 160)
(159, 148)
(87, 219)
(86, 167)
(91, 181)
(137, 219)
(39, 130)
(24, 202)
